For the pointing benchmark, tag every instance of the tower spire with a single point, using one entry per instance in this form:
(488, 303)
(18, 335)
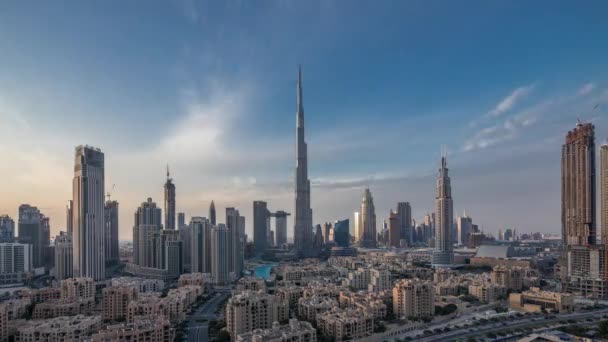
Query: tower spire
(300, 110)
(167, 171)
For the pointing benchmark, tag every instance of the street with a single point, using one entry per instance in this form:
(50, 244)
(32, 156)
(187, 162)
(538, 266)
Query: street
(197, 331)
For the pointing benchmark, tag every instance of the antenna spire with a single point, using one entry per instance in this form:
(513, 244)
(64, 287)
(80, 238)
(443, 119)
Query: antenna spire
(167, 171)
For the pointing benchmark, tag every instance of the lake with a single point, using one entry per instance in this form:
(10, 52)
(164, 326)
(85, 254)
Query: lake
(263, 271)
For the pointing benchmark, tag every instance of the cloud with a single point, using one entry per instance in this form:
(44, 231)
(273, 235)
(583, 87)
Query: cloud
(510, 101)
(586, 89)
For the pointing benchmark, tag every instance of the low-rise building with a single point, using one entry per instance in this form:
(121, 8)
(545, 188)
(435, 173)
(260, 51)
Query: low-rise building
(413, 298)
(115, 302)
(536, 300)
(204, 280)
(309, 308)
(291, 294)
(295, 331)
(150, 329)
(512, 278)
(142, 285)
(78, 288)
(250, 283)
(63, 307)
(346, 324)
(40, 295)
(251, 310)
(65, 328)
(487, 292)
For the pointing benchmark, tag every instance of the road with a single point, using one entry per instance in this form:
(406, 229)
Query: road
(199, 331)
(525, 322)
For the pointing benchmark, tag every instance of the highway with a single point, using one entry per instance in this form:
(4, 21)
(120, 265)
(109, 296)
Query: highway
(525, 322)
(199, 331)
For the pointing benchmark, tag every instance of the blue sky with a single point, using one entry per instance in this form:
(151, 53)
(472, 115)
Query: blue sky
(209, 87)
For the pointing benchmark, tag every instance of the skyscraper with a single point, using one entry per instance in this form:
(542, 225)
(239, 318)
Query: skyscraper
(169, 203)
(111, 231)
(464, 226)
(146, 234)
(184, 235)
(200, 246)
(578, 187)
(404, 210)
(604, 190)
(342, 233)
(69, 217)
(30, 231)
(280, 225)
(7, 229)
(212, 217)
(63, 256)
(220, 240)
(319, 240)
(237, 243)
(260, 226)
(88, 235)
(368, 220)
(358, 231)
(395, 227)
(443, 255)
(303, 217)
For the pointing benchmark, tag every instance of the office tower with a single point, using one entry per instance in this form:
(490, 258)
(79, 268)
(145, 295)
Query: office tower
(318, 239)
(327, 232)
(237, 242)
(171, 251)
(30, 227)
(368, 220)
(64, 256)
(280, 225)
(200, 249)
(184, 235)
(357, 222)
(394, 229)
(444, 249)
(212, 217)
(578, 187)
(260, 226)
(220, 241)
(404, 210)
(146, 234)
(604, 190)
(342, 233)
(7, 229)
(69, 217)
(501, 237)
(88, 213)
(15, 258)
(303, 216)
(169, 203)
(111, 231)
(464, 228)
(508, 234)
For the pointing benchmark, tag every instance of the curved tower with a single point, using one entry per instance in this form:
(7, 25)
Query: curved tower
(303, 216)
(443, 255)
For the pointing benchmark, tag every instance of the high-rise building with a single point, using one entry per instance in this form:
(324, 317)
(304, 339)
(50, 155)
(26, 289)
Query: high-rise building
(368, 220)
(212, 216)
(31, 231)
(69, 217)
(318, 241)
(303, 217)
(237, 242)
(111, 231)
(169, 203)
(413, 298)
(200, 248)
(7, 229)
(181, 220)
(64, 256)
(88, 235)
(260, 226)
(220, 242)
(184, 235)
(443, 254)
(15, 258)
(578, 187)
(280, 227)
(357, 221)
(342, 233)
(404, 210)
(464, 226)
(171, 252)
(327, 231)
(394, 229)
(604, 190)
(146, 235)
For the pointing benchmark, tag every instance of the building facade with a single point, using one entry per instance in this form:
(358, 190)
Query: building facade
(413, 298)
(111, 232)
(64, 256)
(367, 218)
(443, 255)
(200, 247)
(7, 229)
(604, 191)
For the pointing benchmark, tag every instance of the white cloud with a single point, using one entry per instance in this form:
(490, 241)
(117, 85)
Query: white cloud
(586, 89)
(510, 101)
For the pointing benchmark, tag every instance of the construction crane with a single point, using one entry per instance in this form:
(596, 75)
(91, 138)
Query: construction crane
(109, 194)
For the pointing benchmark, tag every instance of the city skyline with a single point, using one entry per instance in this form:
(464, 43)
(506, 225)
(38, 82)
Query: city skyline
(503, 130)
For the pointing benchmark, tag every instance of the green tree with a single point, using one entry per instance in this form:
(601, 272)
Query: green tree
(223, 336)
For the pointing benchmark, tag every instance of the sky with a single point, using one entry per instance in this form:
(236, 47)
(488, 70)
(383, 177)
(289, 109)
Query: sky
(210, 89)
